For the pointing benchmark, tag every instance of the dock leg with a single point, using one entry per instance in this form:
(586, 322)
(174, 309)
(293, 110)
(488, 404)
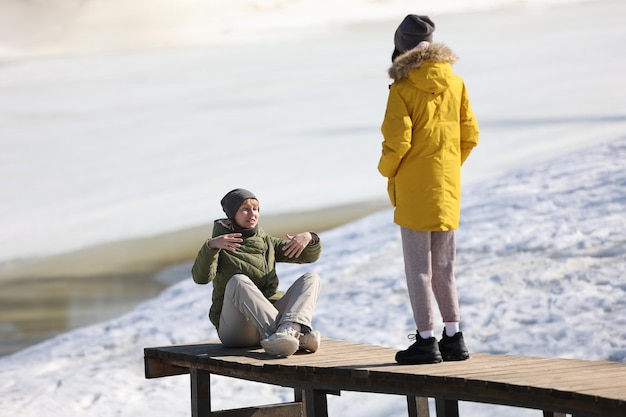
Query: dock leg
(200, 393)
(447, 408)
(315, 404)
(418, 406)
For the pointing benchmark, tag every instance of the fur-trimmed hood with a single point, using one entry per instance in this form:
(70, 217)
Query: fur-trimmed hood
(413, 59)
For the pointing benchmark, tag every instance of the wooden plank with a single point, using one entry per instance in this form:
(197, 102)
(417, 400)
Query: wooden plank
(559, 374)
(157, 368)
(554, 370)
(273, 410)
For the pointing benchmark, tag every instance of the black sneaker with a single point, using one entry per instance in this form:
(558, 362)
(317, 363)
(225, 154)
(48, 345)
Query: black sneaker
(421, 352)
(453, 348)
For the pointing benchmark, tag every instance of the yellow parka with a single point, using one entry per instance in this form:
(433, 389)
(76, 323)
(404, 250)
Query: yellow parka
(429, 130)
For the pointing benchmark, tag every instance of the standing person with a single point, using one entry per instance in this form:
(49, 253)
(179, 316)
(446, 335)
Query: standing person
(429, 130)
(240, 259)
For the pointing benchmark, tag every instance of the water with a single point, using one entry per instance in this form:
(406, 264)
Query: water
(36, 309)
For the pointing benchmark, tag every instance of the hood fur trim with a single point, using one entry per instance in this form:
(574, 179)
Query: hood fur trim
(437, 52)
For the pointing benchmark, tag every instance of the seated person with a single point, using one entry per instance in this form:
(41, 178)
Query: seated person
(240, 259)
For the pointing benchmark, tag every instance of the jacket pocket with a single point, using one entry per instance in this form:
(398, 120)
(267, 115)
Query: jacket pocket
(391, 190)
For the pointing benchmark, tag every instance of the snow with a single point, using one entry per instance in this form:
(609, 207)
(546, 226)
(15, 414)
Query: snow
(109, 146)
(115, 146)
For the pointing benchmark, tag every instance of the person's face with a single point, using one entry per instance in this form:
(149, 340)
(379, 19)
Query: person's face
(248, 214)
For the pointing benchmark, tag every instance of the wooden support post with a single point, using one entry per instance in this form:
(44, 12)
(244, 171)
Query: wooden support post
(200, 393)
(552, 414)
(315, 404)
(418, 406)
(447, 408)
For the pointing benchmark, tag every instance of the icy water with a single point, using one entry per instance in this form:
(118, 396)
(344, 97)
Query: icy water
(35, 309)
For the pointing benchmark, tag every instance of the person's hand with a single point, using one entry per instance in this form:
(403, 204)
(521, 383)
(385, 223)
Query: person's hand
(296, 244)
(230, 241)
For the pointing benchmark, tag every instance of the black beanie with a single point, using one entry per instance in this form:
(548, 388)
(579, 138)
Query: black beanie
(413, 30)
(233, 199)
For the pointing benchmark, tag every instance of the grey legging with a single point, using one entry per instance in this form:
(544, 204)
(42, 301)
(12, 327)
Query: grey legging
(429, 267)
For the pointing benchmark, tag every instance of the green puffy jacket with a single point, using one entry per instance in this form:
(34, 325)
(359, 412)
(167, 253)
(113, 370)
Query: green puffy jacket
(256, 258)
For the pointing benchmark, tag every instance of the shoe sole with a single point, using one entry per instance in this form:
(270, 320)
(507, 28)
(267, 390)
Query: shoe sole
(409, 362)
(455, 358)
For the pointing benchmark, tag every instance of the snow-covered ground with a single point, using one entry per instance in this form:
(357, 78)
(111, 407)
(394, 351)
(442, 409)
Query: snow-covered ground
(99, 148)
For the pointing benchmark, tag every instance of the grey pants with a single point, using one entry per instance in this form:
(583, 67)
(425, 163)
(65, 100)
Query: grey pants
(429, 267)
(248, 317)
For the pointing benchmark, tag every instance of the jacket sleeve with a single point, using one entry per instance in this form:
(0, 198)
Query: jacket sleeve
(397, 130)
(469, 127)
(205, 266)
(310, 254)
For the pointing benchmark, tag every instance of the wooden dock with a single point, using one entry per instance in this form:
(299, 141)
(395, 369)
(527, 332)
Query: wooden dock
(555, 386)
